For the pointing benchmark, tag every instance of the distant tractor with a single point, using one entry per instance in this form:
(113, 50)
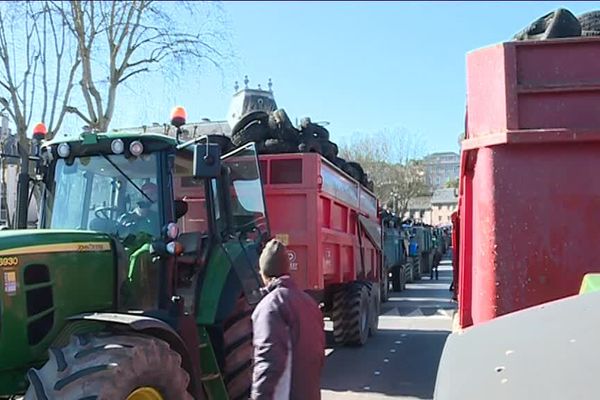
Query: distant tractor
(109, 300)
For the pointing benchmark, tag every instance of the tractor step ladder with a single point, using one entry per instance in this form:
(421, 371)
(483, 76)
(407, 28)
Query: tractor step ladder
(211, 378)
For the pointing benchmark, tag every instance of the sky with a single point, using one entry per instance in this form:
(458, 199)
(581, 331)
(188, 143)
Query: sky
(364, 67)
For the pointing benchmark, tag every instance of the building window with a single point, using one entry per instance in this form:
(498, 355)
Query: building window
(440, 218)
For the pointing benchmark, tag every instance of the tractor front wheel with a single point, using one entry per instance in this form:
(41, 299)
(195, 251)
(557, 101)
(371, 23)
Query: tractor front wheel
(110, 367)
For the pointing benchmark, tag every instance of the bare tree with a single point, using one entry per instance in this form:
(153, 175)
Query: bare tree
(120, 40)
(37, 66)
(389, 158)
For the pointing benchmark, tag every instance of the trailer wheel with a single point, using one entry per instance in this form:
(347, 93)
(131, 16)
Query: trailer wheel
(357, 314)
(374, 307)
(239, 351)
(397, 271)
(385, 286)
(338, 312)
(110, 367)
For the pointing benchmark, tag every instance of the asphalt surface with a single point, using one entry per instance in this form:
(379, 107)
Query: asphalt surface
(401, 361)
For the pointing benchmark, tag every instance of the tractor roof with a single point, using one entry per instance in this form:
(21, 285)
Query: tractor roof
(111, 136)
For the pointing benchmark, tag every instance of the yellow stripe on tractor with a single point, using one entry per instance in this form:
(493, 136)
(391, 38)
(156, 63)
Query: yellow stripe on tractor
(57, 248)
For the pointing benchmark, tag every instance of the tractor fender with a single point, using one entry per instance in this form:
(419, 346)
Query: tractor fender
(159, 329)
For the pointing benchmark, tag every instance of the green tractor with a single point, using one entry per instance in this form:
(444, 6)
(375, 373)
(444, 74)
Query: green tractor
(141, 280)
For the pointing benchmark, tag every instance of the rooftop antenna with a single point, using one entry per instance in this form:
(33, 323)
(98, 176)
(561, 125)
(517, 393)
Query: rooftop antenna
(246, 81)
(236, 86)
(270, 84)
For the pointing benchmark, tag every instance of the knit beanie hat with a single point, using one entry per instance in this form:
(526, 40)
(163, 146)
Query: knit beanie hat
(274, 260)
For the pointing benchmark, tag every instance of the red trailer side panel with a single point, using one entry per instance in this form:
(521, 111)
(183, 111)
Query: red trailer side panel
(316, 213)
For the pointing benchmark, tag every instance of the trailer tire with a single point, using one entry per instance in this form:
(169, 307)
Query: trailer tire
(357, 314)
(385, 286)
(396, 278)
(109, 367)
(338, 311)
(239, 351)
(374, 307)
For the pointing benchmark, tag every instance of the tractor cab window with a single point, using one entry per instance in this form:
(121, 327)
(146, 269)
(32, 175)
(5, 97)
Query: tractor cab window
(247, 199)
(105, 193)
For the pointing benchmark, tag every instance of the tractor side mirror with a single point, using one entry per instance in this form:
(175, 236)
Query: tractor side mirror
(207, 160)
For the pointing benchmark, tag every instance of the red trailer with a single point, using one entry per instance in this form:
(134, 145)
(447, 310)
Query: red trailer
(332, 228)
(530, 195)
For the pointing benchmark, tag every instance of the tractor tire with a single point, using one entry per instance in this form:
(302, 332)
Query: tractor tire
(339, 162)
(310, 146)
(338, 312)
(357, 314)
(276, 146)
(560, 23)
(110, 367)
(239, 352)
(329, 150)
(255, 131)
(250, 117)
(354, 169)
(320, 132)
(590, 23)
(284, 127)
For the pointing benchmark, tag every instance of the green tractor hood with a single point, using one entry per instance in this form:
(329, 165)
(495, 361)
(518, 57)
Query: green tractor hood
(47, 276)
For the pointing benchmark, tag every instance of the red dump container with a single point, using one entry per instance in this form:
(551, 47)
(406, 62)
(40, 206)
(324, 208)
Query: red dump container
(329, 222)
(530, 192)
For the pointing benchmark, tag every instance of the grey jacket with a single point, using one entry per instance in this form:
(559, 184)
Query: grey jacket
(289, 344)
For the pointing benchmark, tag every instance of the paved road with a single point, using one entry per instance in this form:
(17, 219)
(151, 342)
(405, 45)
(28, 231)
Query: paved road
(401, 361)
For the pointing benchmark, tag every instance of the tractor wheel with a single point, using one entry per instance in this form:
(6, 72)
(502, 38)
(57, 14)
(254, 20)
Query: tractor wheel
(357, 315)
(110, 367)
(238, 351)
(338, 311)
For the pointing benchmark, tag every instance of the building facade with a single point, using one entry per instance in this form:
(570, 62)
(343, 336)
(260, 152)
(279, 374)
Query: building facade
(440, 168)
(433, 210)
(443, 204)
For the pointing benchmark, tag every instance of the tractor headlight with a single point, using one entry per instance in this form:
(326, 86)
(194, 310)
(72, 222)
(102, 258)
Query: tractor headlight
(117, 146)
(63, 150)
(136, 148)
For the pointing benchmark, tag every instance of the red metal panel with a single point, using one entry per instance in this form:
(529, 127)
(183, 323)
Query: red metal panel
(486, 97)
(534, 85)
(531, 231)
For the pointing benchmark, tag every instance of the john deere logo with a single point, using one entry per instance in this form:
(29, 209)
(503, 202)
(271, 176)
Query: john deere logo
(9, 261)
(91, 247)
